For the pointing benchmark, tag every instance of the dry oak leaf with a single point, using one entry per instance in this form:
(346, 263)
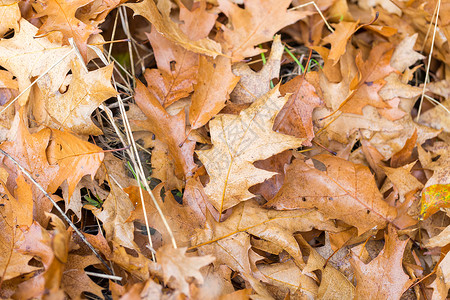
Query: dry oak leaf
(73, 108)
(10, 16)
(52, 250)
(176, 73)
(339, 38)
(337, 188)
(403, 180)
(238, 141)
(181, 219)
(171, 130)
(27, 57)
(253, 85)
(383, 277)
(255, 24)
(12, 262)
(370, 79)
(159, 16)
(198, 22)
(60, 16)
(441, 284)
(114, 214)
(75, 158)
(295, 118)
(224, 240)
(215, 81)
(175, 264)
(404, 54)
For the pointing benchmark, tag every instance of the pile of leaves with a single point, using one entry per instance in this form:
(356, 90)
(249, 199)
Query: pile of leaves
(263, 149)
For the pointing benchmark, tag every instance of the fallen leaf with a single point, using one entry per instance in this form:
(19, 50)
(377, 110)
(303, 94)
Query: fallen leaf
(215, 81)
(255, 24)
(175, 264)
(339, 39)
(434, 197)
(168, 129)
(10, 12)
(26, 57)
(238, 141)
(383, 277)
(253, 85)
(75, 158)
(73, 108)
(159, 16)
(404, 54)
(337, 188)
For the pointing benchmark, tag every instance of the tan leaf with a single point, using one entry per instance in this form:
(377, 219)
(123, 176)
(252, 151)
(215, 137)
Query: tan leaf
(85, 93)
(60, 16)
(403, 181)
(75, 158)
(159, 16)
(177, 265)
(171, 130)
(404, 54)
(295, 118)
(26, 57)
(337, 188)
(114, 213)
(238, 141)
(255, 24)
(215, 82)
(383, 277)
(10, 12)
(253, 85)
(339, 38)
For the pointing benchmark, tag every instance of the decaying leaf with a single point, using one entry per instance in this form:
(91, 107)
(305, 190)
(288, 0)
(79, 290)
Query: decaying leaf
(238, 141)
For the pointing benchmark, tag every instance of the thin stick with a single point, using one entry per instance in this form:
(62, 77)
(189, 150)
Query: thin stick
(430, 56)
(37, 79)
(112, 277)
(318, 10)
(435, 102)
(80, 234)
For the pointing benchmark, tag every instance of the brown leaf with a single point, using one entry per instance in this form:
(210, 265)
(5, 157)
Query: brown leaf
(197, 23)
(215, 82)
(75, 158)
(20, 54)
(73, 108)
(295, 118)
(179, 267)
(168, 129)
(60, 16)
(404, 156)
(339, 38)
(255, 24)
(159, 16)
(176, 73)
(238, 141)
(253, 85)
(383, 277)
(338, 188)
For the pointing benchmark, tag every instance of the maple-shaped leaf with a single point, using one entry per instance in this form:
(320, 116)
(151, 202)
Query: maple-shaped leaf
(215, 82)
(238, 141)
(295, 118)
(176, 73)
(171, 130)
(159, 16)
(383, 277)
(255, 24)
(180, 218)
(74, 157)
(434, 198)
(60, 16)
(338, 188)
(73, 108)
(175, 264)
(339, 38)
(114, 214)
(27, 57)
